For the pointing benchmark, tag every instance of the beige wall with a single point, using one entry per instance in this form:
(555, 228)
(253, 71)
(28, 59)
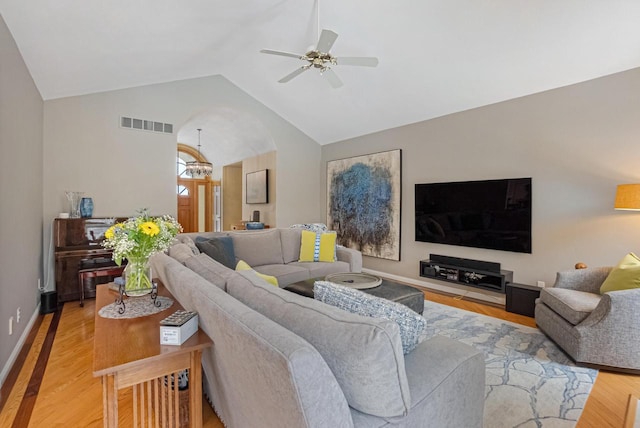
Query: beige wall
(231, 188)
(21, 192)
(124, 170)
(267, 211)
(577, 143)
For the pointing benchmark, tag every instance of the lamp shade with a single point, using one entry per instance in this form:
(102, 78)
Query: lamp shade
(628, 197)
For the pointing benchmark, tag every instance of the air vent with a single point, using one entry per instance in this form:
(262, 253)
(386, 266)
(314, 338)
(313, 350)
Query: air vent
(145, 125)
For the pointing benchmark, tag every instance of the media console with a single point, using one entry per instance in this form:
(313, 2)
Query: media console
(473, 273)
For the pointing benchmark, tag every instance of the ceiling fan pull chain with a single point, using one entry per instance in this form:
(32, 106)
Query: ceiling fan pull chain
(318, 18)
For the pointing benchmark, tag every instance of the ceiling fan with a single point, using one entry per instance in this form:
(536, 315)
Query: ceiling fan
(322, 59)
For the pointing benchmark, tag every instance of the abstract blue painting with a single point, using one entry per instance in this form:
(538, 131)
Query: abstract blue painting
(363, 202)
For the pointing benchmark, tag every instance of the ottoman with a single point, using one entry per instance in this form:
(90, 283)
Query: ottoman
(400, 293)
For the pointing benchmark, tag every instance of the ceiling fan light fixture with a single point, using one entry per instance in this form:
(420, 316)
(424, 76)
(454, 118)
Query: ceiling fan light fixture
(199, 168)
(322, 59)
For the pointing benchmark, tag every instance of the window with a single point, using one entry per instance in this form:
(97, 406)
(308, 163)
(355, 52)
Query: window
(181, 164)
(182, 191)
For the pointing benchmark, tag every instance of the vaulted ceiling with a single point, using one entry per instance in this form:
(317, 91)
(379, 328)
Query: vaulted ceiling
(436, 56)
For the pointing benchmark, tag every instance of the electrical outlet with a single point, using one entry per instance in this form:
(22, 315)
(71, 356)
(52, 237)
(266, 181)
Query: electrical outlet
(18, 315)
(10, 326)
(541, 284)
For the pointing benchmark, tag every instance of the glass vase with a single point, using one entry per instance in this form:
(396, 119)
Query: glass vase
(74, 199)
(137, 277)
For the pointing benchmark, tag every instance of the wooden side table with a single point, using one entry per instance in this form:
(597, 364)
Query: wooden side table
(127, 353)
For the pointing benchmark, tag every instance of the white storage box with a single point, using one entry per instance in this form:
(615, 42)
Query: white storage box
(178, 327)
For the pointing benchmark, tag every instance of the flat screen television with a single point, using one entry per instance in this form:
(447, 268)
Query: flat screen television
(493, 214)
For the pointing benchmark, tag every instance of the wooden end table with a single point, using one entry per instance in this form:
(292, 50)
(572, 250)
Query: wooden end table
(128, 353)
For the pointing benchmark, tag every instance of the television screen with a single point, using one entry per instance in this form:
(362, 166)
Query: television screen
(493, 214)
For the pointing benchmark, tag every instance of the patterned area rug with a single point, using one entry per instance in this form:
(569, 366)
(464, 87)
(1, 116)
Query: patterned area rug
(531, 383)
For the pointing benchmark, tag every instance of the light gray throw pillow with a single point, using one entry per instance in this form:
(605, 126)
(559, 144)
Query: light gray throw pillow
(412, 325)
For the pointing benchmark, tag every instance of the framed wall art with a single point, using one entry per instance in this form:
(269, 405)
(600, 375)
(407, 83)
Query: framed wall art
(363, 202)
(257, 187)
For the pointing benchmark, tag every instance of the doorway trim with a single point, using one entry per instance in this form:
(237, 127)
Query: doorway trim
(193, 185)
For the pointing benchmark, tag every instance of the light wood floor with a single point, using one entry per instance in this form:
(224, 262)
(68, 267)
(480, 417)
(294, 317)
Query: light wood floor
(69, 395)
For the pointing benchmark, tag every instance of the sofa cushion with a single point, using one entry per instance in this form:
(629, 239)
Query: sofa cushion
(290, 239)
(365, 354)
(219, 249)
(286, 274)
(317, 247)
(572, 305)
(214, 272)
(183, 239)
(624, 276)
(320, 270)
(243, 266)
(258, 248)
(180, 252)
(412, 325)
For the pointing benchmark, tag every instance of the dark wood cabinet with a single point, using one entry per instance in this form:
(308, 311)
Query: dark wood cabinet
(78, 245)
(521, 298)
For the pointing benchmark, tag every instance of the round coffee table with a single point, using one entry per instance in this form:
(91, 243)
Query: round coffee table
(359, 281)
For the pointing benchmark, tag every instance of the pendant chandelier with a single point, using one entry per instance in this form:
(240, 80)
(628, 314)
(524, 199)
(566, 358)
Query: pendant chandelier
(198, 168)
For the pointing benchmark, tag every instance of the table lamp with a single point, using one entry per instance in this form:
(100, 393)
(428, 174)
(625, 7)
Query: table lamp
(627, 197)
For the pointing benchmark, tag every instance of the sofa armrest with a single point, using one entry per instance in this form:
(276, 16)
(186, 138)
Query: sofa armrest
(447, 383)
(588, 280)
(351, 256)
(610, 332)
(619, 310)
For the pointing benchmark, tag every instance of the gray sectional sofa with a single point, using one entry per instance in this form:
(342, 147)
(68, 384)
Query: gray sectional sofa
(276, 252)
(283, 360)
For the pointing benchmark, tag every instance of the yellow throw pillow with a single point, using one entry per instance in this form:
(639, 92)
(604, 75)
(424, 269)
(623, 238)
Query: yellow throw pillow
(624, 276)
(317, 247)
(242, 265)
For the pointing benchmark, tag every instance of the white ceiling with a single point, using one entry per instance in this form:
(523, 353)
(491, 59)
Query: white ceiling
(436, 56)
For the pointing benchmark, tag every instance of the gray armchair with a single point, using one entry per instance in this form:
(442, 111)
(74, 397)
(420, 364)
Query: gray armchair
(600, 330)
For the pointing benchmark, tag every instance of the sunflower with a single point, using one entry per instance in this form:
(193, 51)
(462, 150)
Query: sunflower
(149, 228)
(140, 237)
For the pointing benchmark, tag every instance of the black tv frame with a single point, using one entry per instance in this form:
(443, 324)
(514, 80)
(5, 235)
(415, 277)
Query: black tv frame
(462, 213)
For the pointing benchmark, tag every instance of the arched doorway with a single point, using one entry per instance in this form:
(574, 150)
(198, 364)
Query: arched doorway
(198, 199)
(231, 138)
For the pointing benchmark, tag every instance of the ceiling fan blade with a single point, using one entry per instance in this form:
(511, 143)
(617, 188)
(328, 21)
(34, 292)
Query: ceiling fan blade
(366, 61)
(327, 39)
(290, 76)
(332, 78)
(281, 53)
